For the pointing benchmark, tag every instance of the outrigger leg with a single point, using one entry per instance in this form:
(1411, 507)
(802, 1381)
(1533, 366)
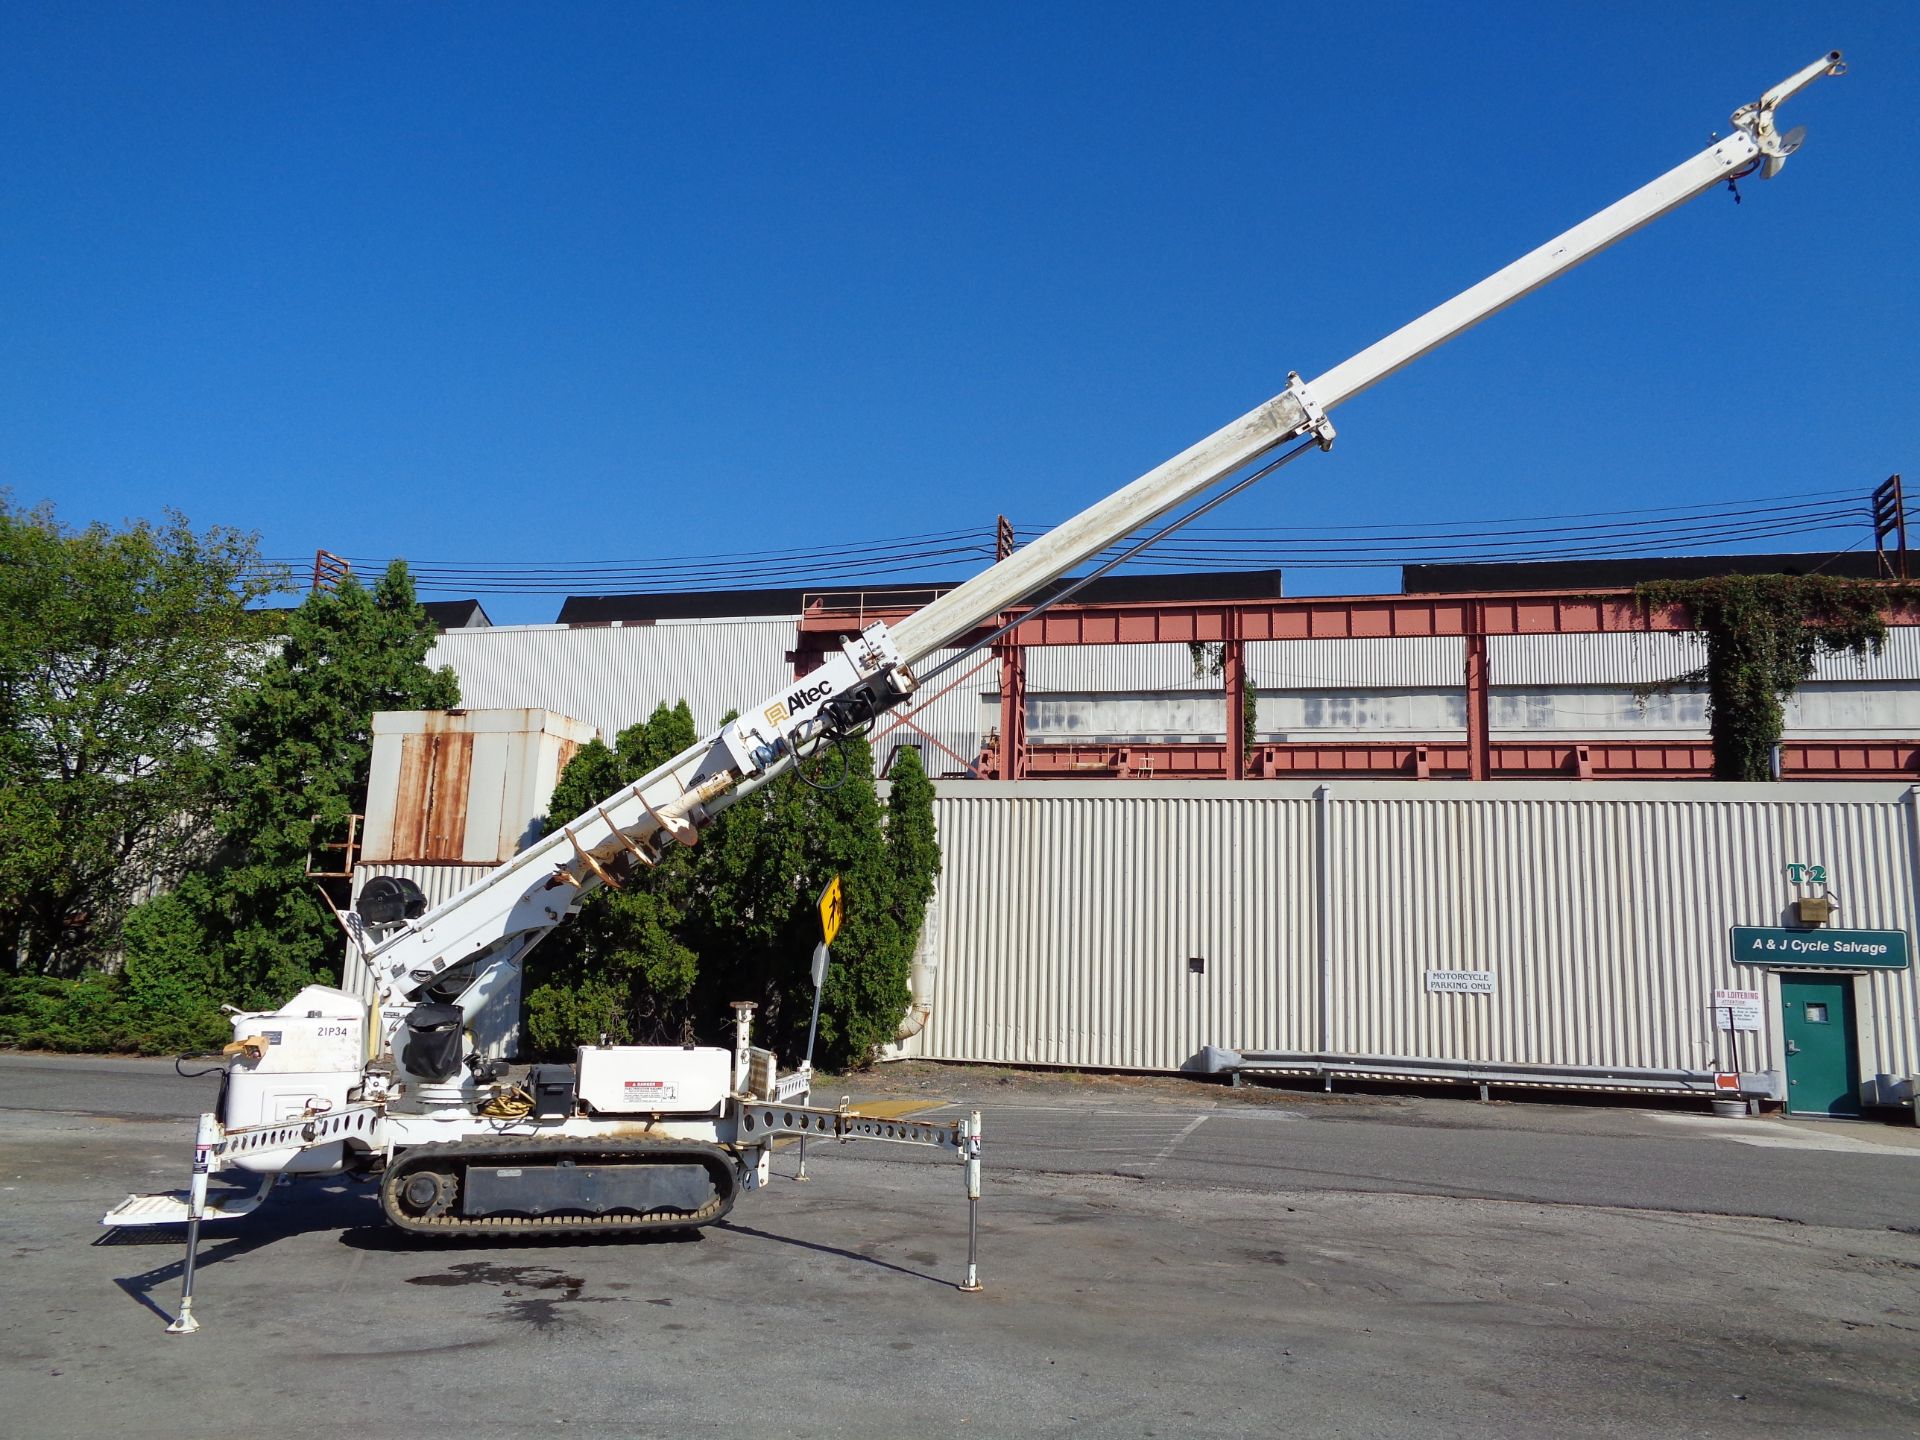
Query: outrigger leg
(970, 1153)
(204, 1140)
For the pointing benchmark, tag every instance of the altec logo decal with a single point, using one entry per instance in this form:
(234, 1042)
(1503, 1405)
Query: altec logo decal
(807, 694)
(781, 711)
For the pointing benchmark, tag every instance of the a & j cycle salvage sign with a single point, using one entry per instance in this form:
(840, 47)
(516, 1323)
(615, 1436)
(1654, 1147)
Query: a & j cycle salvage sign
(1820, 949)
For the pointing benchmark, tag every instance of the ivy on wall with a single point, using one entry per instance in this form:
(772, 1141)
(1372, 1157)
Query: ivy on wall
(1210, 658)
(1763, 634)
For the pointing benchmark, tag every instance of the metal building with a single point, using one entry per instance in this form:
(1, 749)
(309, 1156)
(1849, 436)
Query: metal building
(1512, 932)
(1538, 933)
(1416, 685)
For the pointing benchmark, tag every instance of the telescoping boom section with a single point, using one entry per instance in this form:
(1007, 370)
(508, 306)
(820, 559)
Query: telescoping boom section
(631, 1138)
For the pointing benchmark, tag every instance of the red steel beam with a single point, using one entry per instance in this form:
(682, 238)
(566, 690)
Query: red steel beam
(1507, 760)
(1233, 675)
(1314, 617)
(1479, 696)
(1010, 760)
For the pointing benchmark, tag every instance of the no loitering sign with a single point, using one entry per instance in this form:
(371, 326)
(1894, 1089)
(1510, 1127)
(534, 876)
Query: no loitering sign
(1736, 1009)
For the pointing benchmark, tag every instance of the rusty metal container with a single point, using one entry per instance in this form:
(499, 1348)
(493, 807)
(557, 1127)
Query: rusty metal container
(462, 787)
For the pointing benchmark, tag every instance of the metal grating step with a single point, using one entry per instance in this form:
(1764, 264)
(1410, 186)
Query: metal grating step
(170, 1208)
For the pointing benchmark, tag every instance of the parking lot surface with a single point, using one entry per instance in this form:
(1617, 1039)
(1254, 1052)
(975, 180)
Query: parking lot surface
(1161, 1257)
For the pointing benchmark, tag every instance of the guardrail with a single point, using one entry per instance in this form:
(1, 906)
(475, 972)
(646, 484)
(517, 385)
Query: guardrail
(1610, 1079)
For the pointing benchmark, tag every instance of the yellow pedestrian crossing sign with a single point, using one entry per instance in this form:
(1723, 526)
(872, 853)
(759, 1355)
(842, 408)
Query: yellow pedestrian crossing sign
(833, 909)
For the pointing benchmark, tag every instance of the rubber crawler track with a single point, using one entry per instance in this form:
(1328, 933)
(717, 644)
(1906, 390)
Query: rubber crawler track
(453, 1157)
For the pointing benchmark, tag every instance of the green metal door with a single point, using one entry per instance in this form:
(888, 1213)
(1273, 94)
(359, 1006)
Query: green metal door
(1823, 1059)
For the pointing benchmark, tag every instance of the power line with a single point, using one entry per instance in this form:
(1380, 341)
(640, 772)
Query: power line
(1806, 517)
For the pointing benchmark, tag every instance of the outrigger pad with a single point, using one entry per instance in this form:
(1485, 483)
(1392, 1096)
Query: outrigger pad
(171, 1208)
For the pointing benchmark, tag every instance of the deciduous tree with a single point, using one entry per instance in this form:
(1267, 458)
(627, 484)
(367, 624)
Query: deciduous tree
(119, 651)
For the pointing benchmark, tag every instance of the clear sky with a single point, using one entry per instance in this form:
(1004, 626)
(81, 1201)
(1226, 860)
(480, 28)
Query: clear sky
(532, 283)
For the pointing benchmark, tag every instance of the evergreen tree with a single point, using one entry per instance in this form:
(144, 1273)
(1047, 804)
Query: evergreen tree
(295, 752)
(620, 968)
(755, 909)
(735, 917)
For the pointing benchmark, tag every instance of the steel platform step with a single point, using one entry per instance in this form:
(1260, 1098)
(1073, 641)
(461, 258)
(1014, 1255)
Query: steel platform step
(170, 1208)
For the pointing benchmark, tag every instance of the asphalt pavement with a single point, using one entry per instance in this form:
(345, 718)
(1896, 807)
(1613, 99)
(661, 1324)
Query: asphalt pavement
(1162, 1257)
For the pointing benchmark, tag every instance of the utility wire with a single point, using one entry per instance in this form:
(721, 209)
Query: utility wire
(1805, 518)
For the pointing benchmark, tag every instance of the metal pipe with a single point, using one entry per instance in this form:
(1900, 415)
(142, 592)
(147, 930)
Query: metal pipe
(821, 957)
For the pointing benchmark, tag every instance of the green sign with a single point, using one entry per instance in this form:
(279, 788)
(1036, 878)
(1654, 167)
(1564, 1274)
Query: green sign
(1820, 949)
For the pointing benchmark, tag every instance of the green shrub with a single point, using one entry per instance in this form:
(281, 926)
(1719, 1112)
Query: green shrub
(39, 1012)
(171, 987)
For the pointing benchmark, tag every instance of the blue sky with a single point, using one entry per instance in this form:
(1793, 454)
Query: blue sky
(515, 284)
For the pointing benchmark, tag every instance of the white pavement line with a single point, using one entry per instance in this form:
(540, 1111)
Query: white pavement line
(1174, 1143)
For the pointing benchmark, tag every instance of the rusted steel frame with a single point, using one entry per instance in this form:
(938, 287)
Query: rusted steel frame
(1479, 697)
(1141, 622)
(1354, 617)
(1233, 674)
(1849, 759)
(1582, 759)
(930, 738)
(1010, 763)
(921, 702)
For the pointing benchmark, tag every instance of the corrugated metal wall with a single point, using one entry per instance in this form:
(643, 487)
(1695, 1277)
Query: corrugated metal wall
(947, 718)
(613, 676)
(1069, 921)
(1618, 659)
(1641, 659)
(1107, 669)
(1072, 910)
(1414, 661)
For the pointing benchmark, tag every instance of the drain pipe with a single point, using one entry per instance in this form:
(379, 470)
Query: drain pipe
(1323, 917)
(918, 1013)
(922, 977)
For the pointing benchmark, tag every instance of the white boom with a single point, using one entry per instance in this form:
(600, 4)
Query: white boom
(491, 925)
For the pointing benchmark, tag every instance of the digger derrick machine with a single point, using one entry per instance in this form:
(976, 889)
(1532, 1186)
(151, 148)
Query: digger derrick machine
(633, 1138)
